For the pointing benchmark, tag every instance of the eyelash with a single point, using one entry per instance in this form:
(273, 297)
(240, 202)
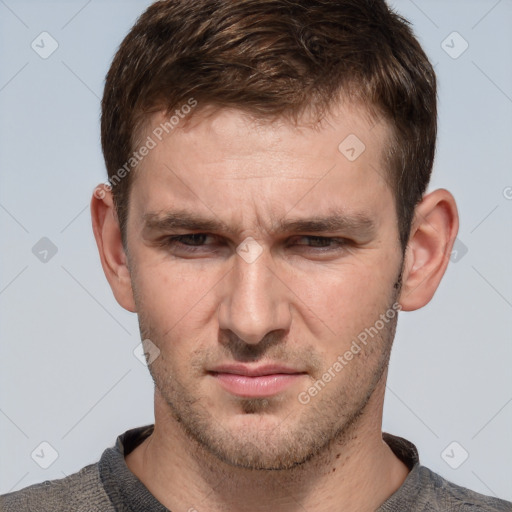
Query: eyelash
(178, 241)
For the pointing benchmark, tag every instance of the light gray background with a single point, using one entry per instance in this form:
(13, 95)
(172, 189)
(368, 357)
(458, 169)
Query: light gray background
(68, 373)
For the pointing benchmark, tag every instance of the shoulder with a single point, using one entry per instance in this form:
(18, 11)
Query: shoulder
(79, 492)
(426, 491)
(439, 494)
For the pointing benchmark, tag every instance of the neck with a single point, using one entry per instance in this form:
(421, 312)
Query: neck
(357, 470)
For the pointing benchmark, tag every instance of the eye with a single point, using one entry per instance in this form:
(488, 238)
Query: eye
(193, 239)
(319, 242)
(204, 244)
(189, 243)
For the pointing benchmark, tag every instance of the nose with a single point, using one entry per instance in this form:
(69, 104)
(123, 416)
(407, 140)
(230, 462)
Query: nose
(255, 301)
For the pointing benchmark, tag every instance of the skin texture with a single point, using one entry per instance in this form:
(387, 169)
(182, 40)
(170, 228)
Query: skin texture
(301, 304)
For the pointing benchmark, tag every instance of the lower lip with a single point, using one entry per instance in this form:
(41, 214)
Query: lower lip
(261, 386)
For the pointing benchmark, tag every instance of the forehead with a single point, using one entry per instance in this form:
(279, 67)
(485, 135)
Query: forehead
(223, 125)
(233, 164)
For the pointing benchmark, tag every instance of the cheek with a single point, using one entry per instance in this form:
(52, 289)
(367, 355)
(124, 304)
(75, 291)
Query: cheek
(340, 302)
(171, 297)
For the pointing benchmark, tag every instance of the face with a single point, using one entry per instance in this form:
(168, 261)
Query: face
(260, 256)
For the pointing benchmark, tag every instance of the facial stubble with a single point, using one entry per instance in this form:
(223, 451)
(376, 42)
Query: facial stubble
(303, 434)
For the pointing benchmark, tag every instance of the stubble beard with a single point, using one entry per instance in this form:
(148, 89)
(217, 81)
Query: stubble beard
(306, 433)
(264, 443)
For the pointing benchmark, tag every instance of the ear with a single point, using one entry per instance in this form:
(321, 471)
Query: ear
(432, 236)
(113, 257)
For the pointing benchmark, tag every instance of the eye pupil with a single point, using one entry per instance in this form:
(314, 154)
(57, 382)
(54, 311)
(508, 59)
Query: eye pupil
(195, 238)
(319, 240)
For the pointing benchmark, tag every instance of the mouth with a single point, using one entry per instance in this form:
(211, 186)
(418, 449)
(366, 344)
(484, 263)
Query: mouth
(256, 381)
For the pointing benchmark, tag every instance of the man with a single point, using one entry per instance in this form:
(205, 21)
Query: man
(266, 218)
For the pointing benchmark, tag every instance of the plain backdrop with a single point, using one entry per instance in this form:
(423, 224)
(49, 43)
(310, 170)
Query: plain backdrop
(68, 373)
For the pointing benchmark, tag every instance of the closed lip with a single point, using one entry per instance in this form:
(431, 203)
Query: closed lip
(255, 371)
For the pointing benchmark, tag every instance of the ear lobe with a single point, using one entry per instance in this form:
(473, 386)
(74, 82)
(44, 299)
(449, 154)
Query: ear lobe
(113, 257)
(433, 233)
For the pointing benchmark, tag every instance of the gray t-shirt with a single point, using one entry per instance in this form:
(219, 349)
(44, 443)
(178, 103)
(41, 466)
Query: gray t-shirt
(109, 486)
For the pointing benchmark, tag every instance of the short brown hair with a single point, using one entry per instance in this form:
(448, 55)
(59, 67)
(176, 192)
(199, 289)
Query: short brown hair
(275, 58)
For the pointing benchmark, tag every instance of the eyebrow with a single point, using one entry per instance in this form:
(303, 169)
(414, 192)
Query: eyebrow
(333, 222)
(181, 220)
(354, 223)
